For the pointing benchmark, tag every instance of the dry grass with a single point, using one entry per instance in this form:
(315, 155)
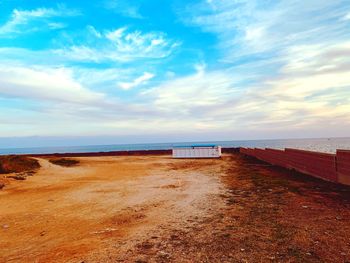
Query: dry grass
(64, 162)
(17, 164)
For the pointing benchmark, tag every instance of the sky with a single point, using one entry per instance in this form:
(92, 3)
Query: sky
(161, 71)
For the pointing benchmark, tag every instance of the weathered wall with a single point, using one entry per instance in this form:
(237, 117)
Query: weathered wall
(330, 167)
(343, 166)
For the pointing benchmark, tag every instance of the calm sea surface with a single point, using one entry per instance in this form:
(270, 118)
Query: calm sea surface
(321, 145)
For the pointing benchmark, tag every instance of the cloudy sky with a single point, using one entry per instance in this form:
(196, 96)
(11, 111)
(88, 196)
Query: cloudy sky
(155, 70)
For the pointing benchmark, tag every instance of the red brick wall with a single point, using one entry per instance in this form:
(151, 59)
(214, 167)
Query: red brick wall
(343, 166)
(330, 167)
(322, 165)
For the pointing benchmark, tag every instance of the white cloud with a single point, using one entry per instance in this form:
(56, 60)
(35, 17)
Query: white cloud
(124, 8)
(249, 27)
(136, 82)
(192, 95)
(116, 35)
(65, 92)
(347, 16)
(120, 45)
(21, 21)
(53, 25)
(44, 85)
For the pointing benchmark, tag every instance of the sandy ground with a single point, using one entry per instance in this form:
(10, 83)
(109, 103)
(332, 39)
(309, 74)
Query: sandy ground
(157, 209)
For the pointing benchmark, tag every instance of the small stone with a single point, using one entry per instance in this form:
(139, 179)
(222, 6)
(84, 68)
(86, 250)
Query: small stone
(164, 254)
(5, 226)
(308, 253)
(242, 249)
(305, 206)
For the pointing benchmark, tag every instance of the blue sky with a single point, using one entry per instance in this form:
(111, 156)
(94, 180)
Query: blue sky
(174, 70)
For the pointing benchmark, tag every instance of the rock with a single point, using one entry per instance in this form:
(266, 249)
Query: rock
(163, 254)
(5, 226)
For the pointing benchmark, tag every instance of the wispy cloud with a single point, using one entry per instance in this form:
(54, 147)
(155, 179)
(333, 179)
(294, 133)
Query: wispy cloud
(24, 21)
(193, 95)
(136, 82)
(346, 16)
(120, 45)
(124, 8)
(255, 27)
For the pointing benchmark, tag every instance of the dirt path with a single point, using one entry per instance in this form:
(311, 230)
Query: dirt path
(156, 209)
(103, 208)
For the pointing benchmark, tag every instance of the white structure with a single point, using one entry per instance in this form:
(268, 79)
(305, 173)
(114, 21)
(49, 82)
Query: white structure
(200, 151)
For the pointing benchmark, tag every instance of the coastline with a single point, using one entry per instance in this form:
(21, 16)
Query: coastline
(119, 153)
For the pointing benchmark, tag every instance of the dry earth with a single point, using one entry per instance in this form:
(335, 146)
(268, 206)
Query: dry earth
(157, 209)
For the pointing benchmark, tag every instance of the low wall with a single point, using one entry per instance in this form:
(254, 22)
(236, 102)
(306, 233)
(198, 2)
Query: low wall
(330, 167)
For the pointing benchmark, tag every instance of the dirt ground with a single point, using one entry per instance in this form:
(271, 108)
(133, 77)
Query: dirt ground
(157, 209)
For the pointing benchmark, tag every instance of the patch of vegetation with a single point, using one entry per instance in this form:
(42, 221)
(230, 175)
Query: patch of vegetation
(64, 162)
(17, 164)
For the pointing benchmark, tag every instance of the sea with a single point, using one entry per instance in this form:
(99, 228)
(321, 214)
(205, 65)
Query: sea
(327, 145)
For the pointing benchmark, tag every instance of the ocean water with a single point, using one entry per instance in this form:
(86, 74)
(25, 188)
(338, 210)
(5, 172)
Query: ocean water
(329, 145)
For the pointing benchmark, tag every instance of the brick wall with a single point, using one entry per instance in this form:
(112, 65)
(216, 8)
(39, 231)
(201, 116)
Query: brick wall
(330, 167)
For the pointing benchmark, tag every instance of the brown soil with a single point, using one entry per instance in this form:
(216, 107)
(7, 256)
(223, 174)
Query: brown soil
(64, 162)
(157, 209)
